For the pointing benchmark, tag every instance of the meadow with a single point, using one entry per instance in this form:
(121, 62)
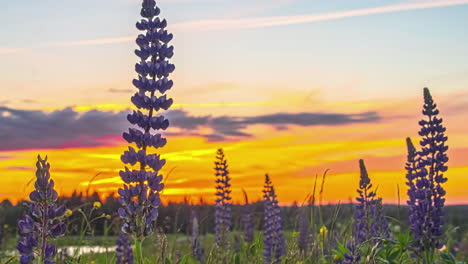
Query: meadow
(172, 242)
(133, 225)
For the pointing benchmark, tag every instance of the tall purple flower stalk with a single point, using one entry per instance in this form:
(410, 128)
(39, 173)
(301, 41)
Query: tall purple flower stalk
(124, 249)
(411, 176)
(370, 221)
(380, 225)
(247, 220)
(274, 246)
(425, 176)
(140, 195)
(353, 256)
(43, 221)
(223, 200)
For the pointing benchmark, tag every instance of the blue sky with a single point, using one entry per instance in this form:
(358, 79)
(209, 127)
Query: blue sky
(388, 54)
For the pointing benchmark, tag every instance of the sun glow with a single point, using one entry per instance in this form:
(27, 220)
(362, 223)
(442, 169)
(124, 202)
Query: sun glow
(293, 161)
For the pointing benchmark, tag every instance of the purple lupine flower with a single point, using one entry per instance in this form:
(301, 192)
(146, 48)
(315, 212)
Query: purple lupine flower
(223, 200)
(303, 237)
(353, 257)
(425, 176)
(247, 220)
(124, 249)
(274, 246)
(411, 174)
(43, 221)
(139, 196)
(195, 244)
(365, 208)
(379, 226)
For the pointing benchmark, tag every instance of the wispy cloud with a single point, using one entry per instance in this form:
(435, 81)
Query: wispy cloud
(115, 90)
(87, 42)
(189, 1)
(259, 22)
(19, 168)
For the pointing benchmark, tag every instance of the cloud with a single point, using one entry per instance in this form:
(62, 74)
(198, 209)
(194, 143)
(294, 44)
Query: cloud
(23, 129)
(29, 101)
(224, 127)
(234, 126)
(229, 126)
(260, 22)
(27, 129)
(311, 119)
(4, 157)
(101, 41)
(191, 1)
(114, 90)
(182, 119)
(19, 168)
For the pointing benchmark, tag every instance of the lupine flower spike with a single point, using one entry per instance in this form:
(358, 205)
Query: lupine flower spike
(247, 219)
(370, 221)
(223, 200)
(425, 176)
(140, 194)
(380, 225)
(274, 246)
(365, 210)
(124, 249)
(353, 256)
(43, 221)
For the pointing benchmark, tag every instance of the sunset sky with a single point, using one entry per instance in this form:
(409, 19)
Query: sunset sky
(285, 87)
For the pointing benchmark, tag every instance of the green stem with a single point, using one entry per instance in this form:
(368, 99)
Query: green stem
(138, 251)
(428, 256)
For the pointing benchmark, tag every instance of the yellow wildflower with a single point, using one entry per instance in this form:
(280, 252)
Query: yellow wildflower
(97, 205)
(108, 217)
(68, 213)
(6, 226)
(295, 234)
(323, 231)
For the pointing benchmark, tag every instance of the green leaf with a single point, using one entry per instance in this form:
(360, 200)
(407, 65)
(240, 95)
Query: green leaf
(237, 259)
(184, 259)
(448, 258)
(338, 253)
(253, 249)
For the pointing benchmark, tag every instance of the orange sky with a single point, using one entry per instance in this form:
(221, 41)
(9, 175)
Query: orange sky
(293, 157)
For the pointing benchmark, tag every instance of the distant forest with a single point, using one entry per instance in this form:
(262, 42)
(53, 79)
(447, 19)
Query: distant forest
(175, 217)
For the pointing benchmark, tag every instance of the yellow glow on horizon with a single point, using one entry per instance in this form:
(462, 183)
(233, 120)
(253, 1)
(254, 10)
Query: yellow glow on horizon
(292, 162)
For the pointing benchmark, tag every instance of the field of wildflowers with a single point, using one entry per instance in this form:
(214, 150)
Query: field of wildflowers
(136, 228)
